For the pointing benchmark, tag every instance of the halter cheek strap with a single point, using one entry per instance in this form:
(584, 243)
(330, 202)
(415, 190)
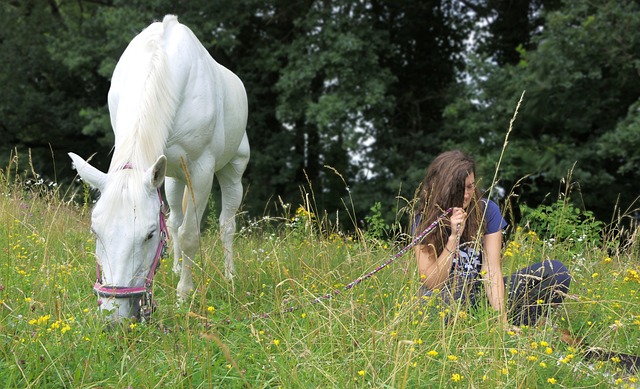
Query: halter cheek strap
(114, 291)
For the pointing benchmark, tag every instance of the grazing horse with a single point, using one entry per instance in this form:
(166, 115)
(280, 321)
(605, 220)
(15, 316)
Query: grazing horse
(180, 118)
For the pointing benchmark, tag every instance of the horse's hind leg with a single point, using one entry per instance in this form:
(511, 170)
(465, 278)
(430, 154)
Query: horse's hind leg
(230, 179)
(174, 190)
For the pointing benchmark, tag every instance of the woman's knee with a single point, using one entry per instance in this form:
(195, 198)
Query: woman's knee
(560, 273)
(555, 266)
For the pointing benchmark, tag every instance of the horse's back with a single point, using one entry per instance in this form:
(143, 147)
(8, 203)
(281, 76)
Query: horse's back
(206, 102)
(214, 99)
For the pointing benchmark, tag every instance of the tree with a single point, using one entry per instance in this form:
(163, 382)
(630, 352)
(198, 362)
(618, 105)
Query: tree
(582, 87)
(331, 89)
(42, 100)
(507, 26)
(425, 42)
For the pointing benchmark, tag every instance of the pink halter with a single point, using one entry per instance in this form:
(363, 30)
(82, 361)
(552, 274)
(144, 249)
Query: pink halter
(145, 292)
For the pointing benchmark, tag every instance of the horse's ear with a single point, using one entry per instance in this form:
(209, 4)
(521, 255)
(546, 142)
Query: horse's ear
(155, 174)
(88, 173)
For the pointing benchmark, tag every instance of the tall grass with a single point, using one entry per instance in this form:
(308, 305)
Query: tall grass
(235, 335)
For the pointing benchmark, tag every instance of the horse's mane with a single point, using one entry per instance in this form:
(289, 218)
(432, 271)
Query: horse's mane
(145, 115)
(126, 189)
(146, 109)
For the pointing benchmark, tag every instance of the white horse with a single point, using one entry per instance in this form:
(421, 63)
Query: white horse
(180, 118)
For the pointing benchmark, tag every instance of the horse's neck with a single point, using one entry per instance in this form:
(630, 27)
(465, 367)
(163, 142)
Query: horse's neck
(135, 154)
(146, 102)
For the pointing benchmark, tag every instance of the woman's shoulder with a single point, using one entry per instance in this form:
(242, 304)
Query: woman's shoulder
(495, 221)
(490, 205)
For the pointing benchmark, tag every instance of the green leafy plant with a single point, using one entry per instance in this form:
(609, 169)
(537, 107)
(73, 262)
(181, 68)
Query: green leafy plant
(376, 227)
(562, 221)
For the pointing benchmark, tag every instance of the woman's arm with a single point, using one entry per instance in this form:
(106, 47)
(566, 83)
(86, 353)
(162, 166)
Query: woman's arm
(434, 270)
(434, 267)
(494, 283)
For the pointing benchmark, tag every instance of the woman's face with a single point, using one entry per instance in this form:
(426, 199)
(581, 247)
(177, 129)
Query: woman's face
(469, 188)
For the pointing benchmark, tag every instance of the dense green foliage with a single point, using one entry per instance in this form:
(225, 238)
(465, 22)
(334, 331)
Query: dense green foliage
(375, 335)
(352, 99)
(579, 113)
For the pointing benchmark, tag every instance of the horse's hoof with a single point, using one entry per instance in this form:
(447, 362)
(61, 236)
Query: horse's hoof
(183, 293)
(180, 298)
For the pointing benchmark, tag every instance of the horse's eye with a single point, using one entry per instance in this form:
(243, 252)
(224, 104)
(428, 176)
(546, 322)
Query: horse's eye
(149, 236)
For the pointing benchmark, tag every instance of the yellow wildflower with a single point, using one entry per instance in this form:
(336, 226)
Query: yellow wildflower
(567, 359)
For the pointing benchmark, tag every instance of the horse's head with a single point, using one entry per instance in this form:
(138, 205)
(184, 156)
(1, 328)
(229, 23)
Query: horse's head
(128, 223)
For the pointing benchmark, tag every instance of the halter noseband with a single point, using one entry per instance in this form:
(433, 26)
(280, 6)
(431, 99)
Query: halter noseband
(114, 291)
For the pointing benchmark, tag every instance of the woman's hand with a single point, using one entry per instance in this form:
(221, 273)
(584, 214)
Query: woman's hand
(458, 218)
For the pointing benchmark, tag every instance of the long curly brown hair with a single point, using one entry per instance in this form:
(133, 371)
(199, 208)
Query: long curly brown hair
(442, 188)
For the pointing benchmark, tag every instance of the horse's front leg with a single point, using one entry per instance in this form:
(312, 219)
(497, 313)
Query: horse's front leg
(189, 232)
(174, 190)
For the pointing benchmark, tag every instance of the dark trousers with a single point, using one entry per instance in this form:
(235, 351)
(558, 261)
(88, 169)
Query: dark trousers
(531, 290)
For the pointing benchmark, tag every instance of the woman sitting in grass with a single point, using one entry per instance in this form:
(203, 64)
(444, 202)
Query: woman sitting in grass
(461, 256)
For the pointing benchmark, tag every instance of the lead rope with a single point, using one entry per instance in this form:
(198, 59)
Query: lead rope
(458, 279)
(357, 281)
(456, 252)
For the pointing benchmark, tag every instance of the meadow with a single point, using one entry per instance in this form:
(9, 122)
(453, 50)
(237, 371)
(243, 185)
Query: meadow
(378, 334)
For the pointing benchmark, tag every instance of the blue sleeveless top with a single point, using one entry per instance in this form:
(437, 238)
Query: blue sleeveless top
(470, 259)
